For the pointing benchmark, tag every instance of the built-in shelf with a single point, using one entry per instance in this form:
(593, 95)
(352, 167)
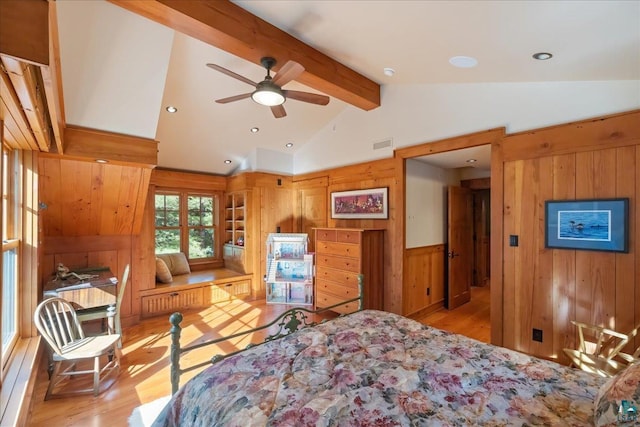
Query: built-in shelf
(234, 219)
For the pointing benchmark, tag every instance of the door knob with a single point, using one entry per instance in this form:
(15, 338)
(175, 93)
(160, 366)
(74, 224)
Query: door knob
(452, 254)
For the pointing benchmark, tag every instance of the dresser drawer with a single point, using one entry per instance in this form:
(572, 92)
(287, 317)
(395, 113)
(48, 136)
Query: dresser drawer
(340, 263)
(339, 291)
(326, 235)
(225, 292)
(324, 299)
(340, 249)
(342, 277)
(348, 236)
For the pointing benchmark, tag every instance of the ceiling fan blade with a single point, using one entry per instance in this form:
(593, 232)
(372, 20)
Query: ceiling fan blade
(232, 74)
(289, 71)
(278, 111)
(312, 98)
(233, 98)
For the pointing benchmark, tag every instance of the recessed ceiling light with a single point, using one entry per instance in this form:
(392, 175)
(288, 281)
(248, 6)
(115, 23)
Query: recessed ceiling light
(102, 161)
(171, 109)
(226, 162)
(463, 61)
(254, 130)
(542, 56)
(289, 144)
(389, 71)
(471, 161)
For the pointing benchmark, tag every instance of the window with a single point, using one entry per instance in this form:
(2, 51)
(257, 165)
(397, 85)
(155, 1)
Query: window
(185, 222)
(10, 255)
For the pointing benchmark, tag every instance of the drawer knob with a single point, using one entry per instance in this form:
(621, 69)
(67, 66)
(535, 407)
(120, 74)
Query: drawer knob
(174, 294)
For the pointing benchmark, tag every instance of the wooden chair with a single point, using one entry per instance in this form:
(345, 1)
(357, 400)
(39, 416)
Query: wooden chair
(600, 350)
(57, 322)
(112, 314)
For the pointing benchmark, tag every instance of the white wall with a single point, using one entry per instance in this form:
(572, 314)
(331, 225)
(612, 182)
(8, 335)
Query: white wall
(110, 93)
(473, 173)
(426, 188)
(414, 114)
(264, 160)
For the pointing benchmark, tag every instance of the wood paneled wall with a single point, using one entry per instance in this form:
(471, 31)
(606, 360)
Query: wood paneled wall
(541, 288)
(91, 199)
(380, 173)
(423, 277)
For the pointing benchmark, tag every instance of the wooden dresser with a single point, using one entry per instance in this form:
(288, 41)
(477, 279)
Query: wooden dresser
(342, 254)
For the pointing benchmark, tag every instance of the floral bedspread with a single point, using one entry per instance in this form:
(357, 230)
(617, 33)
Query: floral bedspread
(374, 368)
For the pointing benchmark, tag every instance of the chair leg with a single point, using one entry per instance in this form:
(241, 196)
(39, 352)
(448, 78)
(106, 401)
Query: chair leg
(53, 379)
(96, 375)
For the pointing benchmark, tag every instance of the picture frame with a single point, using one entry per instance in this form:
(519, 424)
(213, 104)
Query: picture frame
(372, 203)
(595, 225)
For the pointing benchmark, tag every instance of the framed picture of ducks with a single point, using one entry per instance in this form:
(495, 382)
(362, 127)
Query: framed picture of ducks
(595, 225)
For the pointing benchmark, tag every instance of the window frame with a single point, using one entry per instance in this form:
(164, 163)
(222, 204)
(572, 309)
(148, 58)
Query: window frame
(11, 172)
(184, 226)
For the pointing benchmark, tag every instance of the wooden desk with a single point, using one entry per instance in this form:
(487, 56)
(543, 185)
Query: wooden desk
(94, 292)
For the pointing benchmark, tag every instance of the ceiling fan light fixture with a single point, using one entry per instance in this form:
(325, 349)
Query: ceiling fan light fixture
(268, 94)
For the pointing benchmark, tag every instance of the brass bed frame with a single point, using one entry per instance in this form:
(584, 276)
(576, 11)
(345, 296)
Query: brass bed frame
(287, 322)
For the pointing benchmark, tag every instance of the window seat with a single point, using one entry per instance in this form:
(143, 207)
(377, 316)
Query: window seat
(18, 384)
(195, 290)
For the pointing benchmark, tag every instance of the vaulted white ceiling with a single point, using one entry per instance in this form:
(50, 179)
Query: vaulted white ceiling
(121, 70)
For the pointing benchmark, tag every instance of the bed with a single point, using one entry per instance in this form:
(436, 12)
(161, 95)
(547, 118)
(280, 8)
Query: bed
(373, 368)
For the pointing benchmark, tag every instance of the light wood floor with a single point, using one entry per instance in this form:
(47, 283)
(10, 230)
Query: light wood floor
(145, 373)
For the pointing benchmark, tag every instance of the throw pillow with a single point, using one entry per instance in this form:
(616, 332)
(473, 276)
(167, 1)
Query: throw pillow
(162, 272)
(618, 400)
(177, 263)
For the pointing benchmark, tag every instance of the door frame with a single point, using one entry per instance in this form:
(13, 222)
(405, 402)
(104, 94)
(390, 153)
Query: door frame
(491, 137)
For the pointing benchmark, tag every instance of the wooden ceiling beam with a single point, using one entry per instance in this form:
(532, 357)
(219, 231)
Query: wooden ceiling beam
(52, 79)
(24, 30)
(229, 27)
(90, 145)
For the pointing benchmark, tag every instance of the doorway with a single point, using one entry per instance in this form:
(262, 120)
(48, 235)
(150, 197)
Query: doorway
(444, 169)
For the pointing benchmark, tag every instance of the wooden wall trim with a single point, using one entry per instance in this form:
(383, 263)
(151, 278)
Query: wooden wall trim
(188, 180)
(450, 144)
(373, 169)
(497, 219)
(616, 130)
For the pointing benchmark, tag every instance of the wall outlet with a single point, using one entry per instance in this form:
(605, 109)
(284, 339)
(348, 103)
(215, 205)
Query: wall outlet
(537, 335)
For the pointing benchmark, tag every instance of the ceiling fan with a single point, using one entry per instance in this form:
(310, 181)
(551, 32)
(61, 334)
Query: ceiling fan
(269, 92)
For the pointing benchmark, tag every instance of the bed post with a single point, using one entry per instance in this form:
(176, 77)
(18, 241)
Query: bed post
(360, 291)
(175, 320)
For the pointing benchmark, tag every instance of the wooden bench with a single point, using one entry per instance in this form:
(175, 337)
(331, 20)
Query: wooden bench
(195, 290)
